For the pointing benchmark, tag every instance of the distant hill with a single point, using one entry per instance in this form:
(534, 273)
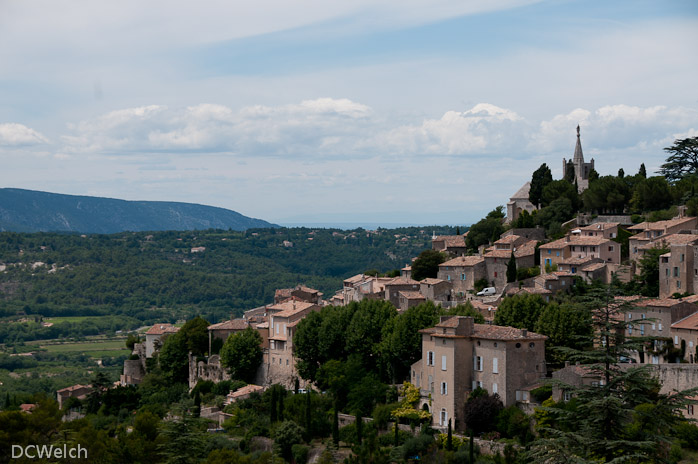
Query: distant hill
(33, 211)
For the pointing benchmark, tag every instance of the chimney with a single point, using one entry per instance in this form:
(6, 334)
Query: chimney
(567, 364)
(524, 333)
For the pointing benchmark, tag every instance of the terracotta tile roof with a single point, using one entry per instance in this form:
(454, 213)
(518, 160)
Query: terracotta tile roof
(530, 290)
(667, 302)
(451, 241)
(406, 268)
(233, 324)
(687, 323)
(575, 240)
(497, 332)
(246, 390)
(402, 281)
(159, 329)
(431, 281)
(577, 261)
(508, 239)
(480, 305)
(464, 261)
(600, 226)
(73, 388)
(525, 249)
(660, 225)
(290, 307)
(303, 288)
(27, 407)
(672, 239)
(449, 322)
(593, 267)
(282, 293)
(412, 295)
(355, 279)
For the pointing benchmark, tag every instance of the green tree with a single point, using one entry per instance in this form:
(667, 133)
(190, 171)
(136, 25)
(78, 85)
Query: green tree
(554, 215)
(560, 189)
(569, 172)
(648, 280)
(184, 440)
(173, 358)
(521, 311)
(427, 264)
(651, 194)
(608, 194)
(486, 229)
(511, 268)
(242, 354)
(624, 418)
(287, 434)
(481, 410)
(566, 325)
(643, 171)
(541, 177)
(682, 160)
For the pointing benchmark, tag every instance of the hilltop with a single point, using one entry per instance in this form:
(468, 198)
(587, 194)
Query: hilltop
(34, 211)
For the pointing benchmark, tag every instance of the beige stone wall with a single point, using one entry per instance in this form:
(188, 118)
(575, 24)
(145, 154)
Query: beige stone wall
(454, 275)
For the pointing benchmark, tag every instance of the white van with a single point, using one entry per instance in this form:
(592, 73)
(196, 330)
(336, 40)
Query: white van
(487, 291)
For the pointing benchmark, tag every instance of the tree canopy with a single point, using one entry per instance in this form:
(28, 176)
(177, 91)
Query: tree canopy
(427, 264)
(242, 354)
(541, 177)
(682, 160)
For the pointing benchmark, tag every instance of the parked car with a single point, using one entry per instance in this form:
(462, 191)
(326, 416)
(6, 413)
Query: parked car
(487, 291)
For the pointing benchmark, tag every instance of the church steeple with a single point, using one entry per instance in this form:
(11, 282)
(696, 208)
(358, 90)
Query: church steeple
(578, 159)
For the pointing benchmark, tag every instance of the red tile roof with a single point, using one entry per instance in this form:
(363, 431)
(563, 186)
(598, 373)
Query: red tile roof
(159, 329)
(463, 261)
(233, 324)
(688, 323)
(412, 295)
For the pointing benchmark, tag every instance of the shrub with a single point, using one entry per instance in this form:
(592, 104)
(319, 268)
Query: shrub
(300, 453)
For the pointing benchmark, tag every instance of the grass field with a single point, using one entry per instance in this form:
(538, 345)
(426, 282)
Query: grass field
(96, 349)
(58, 320)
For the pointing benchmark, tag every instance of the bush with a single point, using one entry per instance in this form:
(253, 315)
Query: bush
(687, 434)
(382, 415)
(300, 453)
(541, 394)
(416, 446)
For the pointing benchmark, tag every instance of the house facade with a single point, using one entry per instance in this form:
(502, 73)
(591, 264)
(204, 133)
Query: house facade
(459, 356)
(462, 273)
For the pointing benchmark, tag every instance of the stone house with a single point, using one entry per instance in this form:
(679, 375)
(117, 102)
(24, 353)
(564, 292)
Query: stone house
(462, 273)
(459, 356)
(573, 246)
(555, 281)
(80, 392)
(396, 285)
(299, 292)
(608, 230)
(435, 289)
(223, 330)
(453, 245)
(498, 255)
(647, 233)
(661, 314)
(279, 359)
(684, 334)
(361, 287)
(519, 203)
(677, 268)
(408, 299)
(575, 376)
(154, 336)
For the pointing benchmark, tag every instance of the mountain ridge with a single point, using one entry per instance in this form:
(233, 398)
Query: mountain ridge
(24, 210)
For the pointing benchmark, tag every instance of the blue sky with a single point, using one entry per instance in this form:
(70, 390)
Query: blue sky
(319, 111)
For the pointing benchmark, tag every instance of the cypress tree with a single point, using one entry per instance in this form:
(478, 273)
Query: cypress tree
(449, 438)
(308, 416)
(335, 424)
(511, 269)
(359, 427)
(282, 393)
(273, 406)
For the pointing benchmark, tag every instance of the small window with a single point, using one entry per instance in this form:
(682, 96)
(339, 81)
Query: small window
(495, 366)
(444, 388)
(531, 345)
(518, 345)
(443, 362)
(430, 358)
(495, 388)
(477, 363)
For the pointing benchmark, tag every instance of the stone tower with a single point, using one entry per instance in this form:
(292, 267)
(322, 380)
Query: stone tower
(581, 169)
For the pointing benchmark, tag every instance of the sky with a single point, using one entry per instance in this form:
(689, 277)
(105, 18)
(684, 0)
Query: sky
(320, 111)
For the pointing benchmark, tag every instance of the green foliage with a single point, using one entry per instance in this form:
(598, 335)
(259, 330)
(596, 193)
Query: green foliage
(525, 220)
(527, 272)
(511, 422)
(554, 215)
(541, 177)
(511, 269)
(521, 311)
(566, 325)
(242, 354)
(184, 440)
(560, 189)
(482, 232)
(300, 453)
(427, 264)
(480, 284)
(648, 280)
(682, 160)
(643, 171)
(651, 194)
(481, 411)
(607, 195)
(287, 434)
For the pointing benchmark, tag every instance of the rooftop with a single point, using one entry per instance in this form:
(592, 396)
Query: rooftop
(159, 329)
(688, 323)
(463, 261)
(233, 324)
(661, 225)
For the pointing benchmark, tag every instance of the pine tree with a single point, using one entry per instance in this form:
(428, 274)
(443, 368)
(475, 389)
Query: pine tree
(622, 419)
(511, 269)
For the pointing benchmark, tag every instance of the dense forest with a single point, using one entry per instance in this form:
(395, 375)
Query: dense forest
(166, 276)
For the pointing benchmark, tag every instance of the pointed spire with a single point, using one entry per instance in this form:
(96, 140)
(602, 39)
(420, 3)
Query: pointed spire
(578, 156)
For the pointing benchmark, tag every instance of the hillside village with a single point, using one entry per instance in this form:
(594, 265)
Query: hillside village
(468, 349)
(507, 361)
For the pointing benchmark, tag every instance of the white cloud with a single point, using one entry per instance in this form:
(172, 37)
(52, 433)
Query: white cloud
(485, 128)
(14, 134)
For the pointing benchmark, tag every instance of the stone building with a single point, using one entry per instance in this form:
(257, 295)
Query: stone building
(223, 330)
(396, 285)
(647, 233)
(498, 255)
(581, 169)
(678, 271)
(582, 250)
(519, 203)
(462, 273)
(459, 356)
(154, 336)
(408, 299)
(80, 392)
(453, 245)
